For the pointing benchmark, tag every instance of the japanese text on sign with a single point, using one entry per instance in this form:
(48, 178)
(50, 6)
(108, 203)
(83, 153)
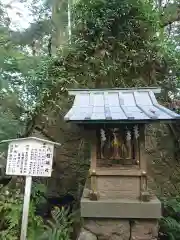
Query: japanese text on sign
(30, 158)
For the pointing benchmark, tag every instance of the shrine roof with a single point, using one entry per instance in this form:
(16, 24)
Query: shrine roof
(119, 105)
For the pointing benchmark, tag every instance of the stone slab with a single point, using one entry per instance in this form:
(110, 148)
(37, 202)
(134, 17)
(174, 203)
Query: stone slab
(121, 208)
(108, 229)
(145, 230)
(119, 229)
(86, 235)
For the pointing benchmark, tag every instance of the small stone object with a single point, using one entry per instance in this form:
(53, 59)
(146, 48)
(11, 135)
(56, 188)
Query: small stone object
(145, 196)
(93, 196)
(86, 235)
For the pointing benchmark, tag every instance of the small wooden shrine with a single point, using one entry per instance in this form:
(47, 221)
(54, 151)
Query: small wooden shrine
(115, 122)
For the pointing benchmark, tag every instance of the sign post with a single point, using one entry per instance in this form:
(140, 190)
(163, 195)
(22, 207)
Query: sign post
(27, 195)
(29, 157)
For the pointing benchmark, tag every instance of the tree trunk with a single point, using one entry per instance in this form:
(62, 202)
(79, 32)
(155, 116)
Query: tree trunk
(59, 36)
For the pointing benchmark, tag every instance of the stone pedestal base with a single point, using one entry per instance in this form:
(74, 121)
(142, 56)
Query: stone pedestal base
(121, 208)
(118, 229)
(120, 219)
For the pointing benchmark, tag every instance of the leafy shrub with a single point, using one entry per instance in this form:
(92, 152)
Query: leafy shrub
(37, 193)
(11, 202)
(170, 222)
(60, 227)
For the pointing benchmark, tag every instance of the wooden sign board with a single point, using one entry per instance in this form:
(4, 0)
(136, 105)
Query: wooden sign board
(30, 157)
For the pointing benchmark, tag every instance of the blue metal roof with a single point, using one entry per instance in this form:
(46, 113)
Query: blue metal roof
(118, 105)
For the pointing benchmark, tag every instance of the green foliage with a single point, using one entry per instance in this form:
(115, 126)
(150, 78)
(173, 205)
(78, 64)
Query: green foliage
(60, 227)
(171, 228)
(116, 42)
(38, 192)
(11, 202)
(10, 210)
(11, 101)
(170, 223)
(10, 112)
(113, 45)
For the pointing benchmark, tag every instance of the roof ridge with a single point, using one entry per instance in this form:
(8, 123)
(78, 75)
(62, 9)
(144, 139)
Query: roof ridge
(95, 90)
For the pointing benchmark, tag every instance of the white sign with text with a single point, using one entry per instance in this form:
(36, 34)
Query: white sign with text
(30, 157)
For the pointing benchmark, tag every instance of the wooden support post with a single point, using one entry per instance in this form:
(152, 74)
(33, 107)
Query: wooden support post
(144, 194)
(93, 193)
(94, 196)
(142, 156)
(128, 143)
(93, 156)
(136, 145)
(93, 142)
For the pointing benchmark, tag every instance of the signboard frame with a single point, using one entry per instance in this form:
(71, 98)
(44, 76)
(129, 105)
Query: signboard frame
(22, 164)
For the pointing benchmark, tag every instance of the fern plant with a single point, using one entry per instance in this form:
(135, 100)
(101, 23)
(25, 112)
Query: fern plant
(170, 227)
(170, 222)
(60, 227)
